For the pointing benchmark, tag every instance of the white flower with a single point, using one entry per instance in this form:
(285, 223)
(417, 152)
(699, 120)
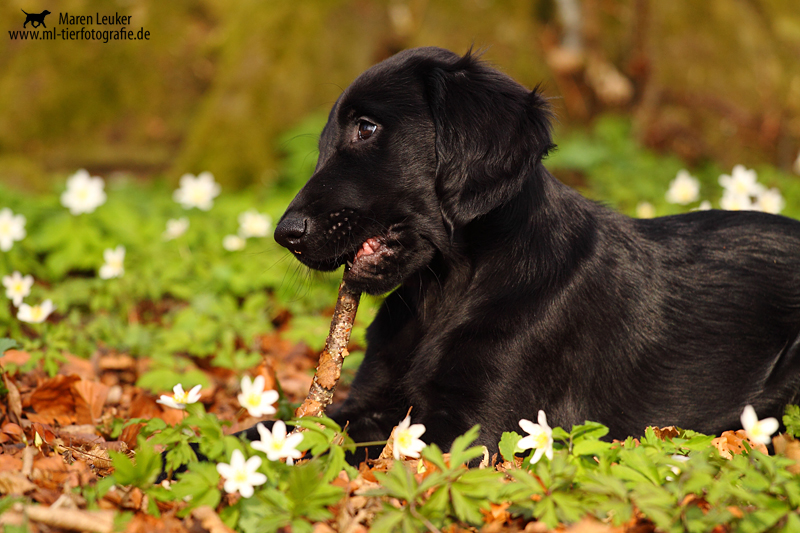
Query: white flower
(17, 287)
(540, 437)
(255, 399)
(645, 210)
(254, 224)
(684, 189)
(241, 475)
(758, 431)
(84, 193)
(113, 267)
(676, 470)
(407, 439)
(705, 205)
(770, 201)
(742, 181)
(179, 398)
(175, 228)
(734, 201)
(276, 444)
(12, 228)
(233, 243)
(35, 314)
(197, 191)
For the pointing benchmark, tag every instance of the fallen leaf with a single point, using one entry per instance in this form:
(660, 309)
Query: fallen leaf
(730, 443)
(789, 447)
(669, 432)
(14, 399)
(210, 520)
(90, 396)
(15, 483)
(53, 401)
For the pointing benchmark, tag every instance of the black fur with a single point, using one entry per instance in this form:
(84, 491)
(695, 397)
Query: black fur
(512, 292)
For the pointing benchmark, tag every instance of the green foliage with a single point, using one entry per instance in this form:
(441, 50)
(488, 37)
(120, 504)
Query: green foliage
(791, 419)
(448, 494)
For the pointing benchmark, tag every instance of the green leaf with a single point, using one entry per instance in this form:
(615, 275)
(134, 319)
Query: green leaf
(7, 344)
(143, 472)
(589, 430)
(466, 509)
(459, 453)
(508, 445)
(387, 521)
(590, 447)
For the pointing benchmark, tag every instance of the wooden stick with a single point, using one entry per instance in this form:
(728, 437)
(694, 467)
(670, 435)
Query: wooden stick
(329, 369)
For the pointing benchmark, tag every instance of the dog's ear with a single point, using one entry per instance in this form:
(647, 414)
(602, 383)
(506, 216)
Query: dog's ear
(490, 134)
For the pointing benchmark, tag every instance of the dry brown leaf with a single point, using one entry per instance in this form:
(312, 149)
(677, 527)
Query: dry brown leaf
(10, 463)
(14, 399)
(53, 401)
(669, 432)
(789, 447)
(730, 443)
(210, 520)
(14, 357)
(90, 396)
(14, 431)
(79, 366)
(15, 483)
(115, 361)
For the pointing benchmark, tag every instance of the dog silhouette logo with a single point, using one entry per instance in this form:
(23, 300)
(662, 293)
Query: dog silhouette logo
(35, 19)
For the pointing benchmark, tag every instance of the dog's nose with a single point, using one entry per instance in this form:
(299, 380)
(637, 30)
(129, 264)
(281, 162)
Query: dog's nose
(291, 231)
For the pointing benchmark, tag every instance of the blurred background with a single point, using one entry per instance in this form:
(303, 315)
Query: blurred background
(221, 86)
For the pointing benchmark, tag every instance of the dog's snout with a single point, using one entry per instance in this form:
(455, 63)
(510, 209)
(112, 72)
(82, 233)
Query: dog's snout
(291, 232)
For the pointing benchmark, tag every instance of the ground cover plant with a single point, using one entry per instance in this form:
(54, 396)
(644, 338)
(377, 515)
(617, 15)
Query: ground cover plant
(138, 316)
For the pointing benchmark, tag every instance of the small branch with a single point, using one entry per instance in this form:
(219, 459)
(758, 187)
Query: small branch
(329, 369)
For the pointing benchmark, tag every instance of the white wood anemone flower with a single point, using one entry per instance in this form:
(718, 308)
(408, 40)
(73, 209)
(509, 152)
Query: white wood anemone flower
(254, 224)
(741, 181)
(241, 475)
(407, 439)
(758, 431)
(175, 228)
(114, 263)
(540, 437)
(735, 201)
(233, 243)
(197, 191)
(276, 444)
(84, 193)
(770, 201)
(180, 398)
(35, 314)
(684, 189)
(255, 399)
(12, 228)
(17, 287)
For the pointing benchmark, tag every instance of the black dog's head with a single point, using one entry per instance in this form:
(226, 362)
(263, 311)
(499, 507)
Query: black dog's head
(417, 148)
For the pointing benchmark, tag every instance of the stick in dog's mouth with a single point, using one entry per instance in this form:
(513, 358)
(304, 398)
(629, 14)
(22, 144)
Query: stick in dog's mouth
(329, 369)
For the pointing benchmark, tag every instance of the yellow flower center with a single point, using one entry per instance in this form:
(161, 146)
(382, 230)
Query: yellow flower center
(541, 440)
(181, 398)
(404, 439)
(36, 313)
(253, 399)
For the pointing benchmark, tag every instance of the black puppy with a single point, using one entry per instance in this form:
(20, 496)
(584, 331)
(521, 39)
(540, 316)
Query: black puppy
(35, 18)
(512, 292)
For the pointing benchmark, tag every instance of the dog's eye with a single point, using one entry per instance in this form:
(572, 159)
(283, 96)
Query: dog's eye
(366, 129)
